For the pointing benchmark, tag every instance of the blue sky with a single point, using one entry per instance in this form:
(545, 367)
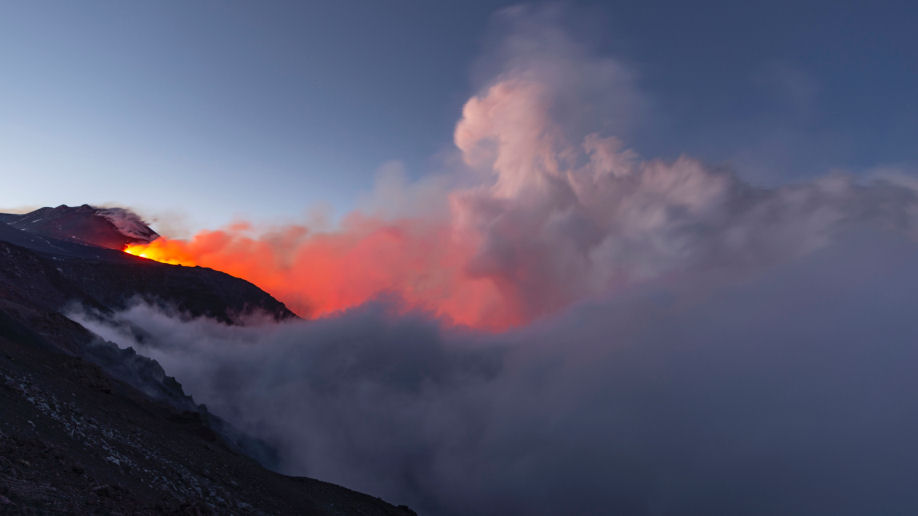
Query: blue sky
(222, 109)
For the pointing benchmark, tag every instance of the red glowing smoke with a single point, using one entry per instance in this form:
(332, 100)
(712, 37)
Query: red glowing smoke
(317, 274)
(556, 213)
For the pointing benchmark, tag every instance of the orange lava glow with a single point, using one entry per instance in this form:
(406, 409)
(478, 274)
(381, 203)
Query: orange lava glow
(161, 250)
(317, 274)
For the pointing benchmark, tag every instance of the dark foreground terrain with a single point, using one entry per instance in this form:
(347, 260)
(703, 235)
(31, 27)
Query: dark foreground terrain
(87, 428)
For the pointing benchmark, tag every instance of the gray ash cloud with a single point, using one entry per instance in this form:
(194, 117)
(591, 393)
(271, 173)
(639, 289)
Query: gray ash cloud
(790, 391)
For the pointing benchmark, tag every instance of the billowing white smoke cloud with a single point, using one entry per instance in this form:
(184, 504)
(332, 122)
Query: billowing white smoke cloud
(569, 213)
(790, 394)
(756, 357)
(542, 207)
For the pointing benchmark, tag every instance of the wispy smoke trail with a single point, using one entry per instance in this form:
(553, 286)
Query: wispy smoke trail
(128, 224)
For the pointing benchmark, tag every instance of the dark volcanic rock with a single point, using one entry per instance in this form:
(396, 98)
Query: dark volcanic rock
(74, 440)
(88, 428)
(109, 280)
(112, 228)
(56, 255)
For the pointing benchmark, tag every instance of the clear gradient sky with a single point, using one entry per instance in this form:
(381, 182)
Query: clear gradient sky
(265, 109)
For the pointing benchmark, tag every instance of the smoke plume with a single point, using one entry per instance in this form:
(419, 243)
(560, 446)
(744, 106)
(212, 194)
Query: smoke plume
(544, 211)
(676, 340)
(788, 394)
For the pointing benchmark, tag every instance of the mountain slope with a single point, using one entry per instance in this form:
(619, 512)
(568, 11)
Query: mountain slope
(90, 428)
(112, 228)
(52, 272)
(74, 440)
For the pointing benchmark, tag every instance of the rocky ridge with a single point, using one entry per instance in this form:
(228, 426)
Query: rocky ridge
(88, 428)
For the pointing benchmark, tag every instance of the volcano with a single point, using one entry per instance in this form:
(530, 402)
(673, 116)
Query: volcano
(112, 228)
(88, 427)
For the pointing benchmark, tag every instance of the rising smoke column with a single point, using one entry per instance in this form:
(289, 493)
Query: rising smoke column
(547, 208)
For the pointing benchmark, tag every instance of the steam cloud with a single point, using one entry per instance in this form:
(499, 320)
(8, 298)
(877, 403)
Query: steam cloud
(689, 343)
(555, 212)
(789, 394)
